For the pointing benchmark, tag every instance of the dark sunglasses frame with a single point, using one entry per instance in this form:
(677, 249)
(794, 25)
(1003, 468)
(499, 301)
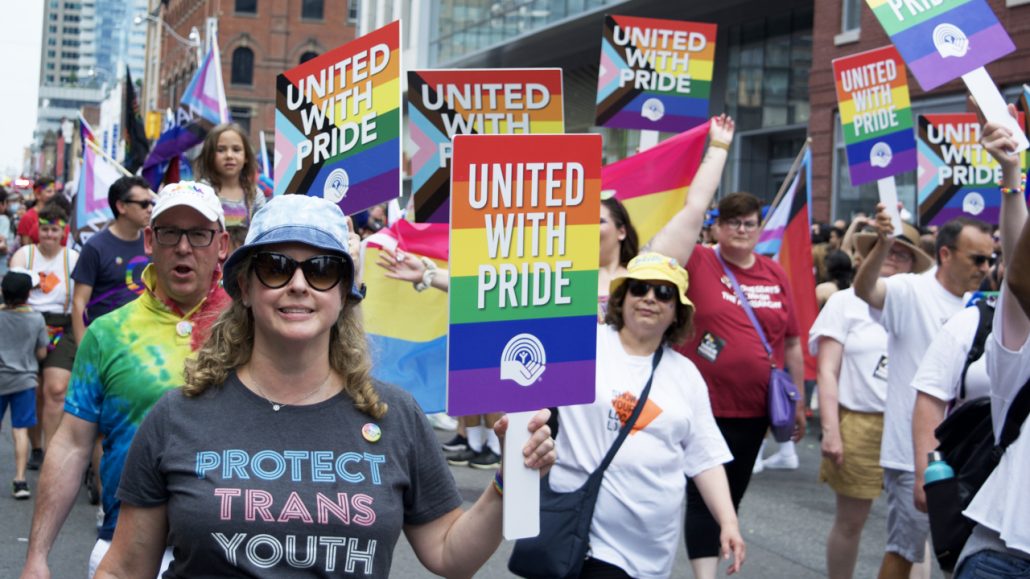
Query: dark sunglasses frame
(287, 266)
(145, 203)
(639, 288)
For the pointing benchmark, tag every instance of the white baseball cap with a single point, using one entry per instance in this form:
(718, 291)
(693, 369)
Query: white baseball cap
(198, 196)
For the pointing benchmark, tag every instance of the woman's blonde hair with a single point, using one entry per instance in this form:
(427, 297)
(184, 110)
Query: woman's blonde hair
(232, 341)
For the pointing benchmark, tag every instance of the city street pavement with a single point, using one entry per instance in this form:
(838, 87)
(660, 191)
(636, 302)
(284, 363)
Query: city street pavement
(785, 518)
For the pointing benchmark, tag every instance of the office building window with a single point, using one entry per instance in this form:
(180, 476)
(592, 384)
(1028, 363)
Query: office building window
(851, 15)
(242, 66)
(241, 115)
(312, 9)
(307, 56)
(352, 10)
(246, 6)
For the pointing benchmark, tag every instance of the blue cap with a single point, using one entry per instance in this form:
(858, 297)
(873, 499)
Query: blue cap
(312, 221)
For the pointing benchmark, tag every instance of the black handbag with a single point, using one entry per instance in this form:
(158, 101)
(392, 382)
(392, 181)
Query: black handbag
(564, 540)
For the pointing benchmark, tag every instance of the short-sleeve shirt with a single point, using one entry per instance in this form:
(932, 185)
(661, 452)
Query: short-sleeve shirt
(114, 268)
(637, 522)
(236, 211)
(862, 383)
(127, 360)
(725, 346)
(28, 225)
(22, 332)
(940, 371)
(296, 493)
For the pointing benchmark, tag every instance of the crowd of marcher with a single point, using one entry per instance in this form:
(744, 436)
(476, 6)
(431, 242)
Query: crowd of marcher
(201, 361)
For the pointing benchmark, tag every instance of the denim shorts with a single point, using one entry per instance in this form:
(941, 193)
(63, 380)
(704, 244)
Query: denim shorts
(989, 564)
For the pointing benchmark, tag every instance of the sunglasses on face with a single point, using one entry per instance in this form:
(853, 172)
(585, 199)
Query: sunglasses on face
(979, 259)
(322, 272)
(662, 293)
(144, 203)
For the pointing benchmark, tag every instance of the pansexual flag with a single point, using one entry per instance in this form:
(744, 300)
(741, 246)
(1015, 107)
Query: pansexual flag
(944, 39)
(655, 74)
(444, 103)
(653, 184)
(875, 114)
(524, 255)
(407, 330)
(338, 123)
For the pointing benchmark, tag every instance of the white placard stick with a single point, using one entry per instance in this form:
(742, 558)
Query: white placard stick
(521, 484)
(889, 197)
(648, 139)
(992, 104)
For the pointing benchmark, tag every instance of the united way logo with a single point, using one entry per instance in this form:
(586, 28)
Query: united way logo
(336, 185)
(950, 41)
(523, 360)
(880, 155)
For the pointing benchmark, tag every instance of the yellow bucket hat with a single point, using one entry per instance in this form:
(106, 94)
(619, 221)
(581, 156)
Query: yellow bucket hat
(656, 267)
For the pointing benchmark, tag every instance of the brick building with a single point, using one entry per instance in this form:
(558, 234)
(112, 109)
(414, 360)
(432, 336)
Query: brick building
(846, 27)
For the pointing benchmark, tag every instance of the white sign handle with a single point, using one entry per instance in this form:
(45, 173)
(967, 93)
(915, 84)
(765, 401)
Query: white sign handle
(992, 104)
(889, 197)
(521, 484)
(648, 139)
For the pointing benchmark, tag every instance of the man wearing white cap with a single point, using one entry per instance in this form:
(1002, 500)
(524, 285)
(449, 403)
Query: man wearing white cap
(128, 358)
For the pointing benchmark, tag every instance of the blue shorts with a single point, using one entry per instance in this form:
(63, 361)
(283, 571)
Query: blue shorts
(23, 408)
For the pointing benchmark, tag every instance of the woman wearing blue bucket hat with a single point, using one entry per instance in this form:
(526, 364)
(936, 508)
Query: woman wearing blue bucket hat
(281, 456)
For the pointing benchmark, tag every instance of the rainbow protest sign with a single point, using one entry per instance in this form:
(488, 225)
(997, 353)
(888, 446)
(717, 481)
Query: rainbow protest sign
(956, 174)
(445, 103)
(524, 255)
(338, 123)
(875, 113)
(942, 40)
(655, 74)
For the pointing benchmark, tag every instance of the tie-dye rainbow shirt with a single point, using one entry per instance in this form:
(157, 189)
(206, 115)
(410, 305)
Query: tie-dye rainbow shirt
(127, 360)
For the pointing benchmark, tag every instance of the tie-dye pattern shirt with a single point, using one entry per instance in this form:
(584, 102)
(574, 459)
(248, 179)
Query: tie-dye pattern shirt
(127, 360)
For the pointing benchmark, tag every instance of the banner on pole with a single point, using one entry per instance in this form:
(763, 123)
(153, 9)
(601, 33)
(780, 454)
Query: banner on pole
(655, 74)
(524, 255)
(957, 176)
(445, 103)
(337, 123)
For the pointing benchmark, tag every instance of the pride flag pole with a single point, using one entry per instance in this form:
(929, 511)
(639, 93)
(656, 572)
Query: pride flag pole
(992, 104)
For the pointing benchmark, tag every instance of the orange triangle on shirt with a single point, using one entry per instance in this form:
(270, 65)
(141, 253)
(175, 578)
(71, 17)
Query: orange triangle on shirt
(48, 281)
(624, 405)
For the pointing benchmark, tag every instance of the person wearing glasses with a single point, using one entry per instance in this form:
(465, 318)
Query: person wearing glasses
(130, 357)
(281, 456)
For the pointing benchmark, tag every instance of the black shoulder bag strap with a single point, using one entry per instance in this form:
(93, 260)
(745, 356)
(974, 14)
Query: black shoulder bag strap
(979, 340)
(1014, 419)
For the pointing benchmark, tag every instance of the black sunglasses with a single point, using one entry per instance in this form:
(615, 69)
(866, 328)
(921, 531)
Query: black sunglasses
(322, 272)
(662, 293)
(979, 259)
(144, 203)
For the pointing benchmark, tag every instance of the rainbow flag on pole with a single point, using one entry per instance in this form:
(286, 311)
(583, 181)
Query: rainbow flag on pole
(653, 184)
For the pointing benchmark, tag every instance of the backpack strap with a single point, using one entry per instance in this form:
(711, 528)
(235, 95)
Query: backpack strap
(976, 351)
(1015, 418)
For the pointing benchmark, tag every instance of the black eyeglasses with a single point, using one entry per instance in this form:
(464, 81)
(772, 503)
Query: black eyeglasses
(662, 293)
(322, 272)
(170, 236)
(144, 203)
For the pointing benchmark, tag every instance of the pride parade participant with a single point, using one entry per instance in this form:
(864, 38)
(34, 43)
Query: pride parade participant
(280, 456)
(228, 164)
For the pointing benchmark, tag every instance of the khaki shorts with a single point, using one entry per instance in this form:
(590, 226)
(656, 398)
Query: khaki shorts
(861, 475)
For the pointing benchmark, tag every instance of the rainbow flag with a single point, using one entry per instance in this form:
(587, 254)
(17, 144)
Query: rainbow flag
(653, 184)
(407, 330)
(338, 123)
(655, 74)
(875, 114)
(944, 39)
(524, 259)
(444, 103)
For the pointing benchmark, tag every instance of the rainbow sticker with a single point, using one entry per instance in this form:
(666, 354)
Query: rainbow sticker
(655, 74)
(445, 103)
(957, 176)
(943, 39)
(338, 123)
(524, 255)
(875, 114)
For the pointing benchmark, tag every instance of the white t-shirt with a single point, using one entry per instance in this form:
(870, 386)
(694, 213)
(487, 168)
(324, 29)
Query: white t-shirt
(940, 372)
(637, 520)
(53, 295)
(915, 309)
(1003, 503)
(862, 383)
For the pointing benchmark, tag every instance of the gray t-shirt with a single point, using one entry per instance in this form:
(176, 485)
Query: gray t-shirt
(297, 493)
(22, 332)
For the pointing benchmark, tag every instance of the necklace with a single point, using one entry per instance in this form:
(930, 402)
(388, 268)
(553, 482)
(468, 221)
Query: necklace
(277, 406)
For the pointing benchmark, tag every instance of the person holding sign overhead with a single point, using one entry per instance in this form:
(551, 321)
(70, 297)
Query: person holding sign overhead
(280, 456)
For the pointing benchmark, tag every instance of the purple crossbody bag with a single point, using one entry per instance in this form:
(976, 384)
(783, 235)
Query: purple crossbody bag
(782, 395)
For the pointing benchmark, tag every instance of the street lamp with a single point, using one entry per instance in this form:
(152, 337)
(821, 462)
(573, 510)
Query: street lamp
(193, 41)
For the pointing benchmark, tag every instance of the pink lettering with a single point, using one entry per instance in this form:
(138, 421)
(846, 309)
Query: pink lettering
(226, 508)
(294, 509)
(325, 506)
(362, 504)
(257, 503)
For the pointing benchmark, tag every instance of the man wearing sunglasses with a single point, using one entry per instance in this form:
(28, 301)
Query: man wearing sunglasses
(131, 356)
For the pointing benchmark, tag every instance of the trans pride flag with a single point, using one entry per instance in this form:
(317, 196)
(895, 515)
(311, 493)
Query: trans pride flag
(97, 174)
(653, 184)
(407, 330)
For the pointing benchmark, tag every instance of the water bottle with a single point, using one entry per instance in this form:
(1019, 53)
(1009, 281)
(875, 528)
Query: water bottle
(938, 469)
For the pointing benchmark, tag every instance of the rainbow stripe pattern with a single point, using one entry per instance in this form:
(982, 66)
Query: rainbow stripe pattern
(444, 103)
(523, 301)
(337, 123)
(655, 74)
(945, 39)
(875, 114)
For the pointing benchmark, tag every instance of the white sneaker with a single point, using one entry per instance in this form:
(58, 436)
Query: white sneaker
(779, 461)
(759, 465)
(441, 421)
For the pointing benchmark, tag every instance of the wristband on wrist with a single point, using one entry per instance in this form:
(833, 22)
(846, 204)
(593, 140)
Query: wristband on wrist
(1015, 190)
(427, 275)
(719, 145)
(498, 483)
